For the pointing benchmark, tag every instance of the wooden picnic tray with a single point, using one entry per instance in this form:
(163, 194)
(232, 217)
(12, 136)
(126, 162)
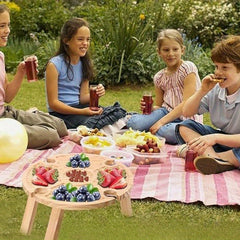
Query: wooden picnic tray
(43, 194)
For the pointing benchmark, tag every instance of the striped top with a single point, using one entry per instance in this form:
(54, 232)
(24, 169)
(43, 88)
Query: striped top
(173, 84)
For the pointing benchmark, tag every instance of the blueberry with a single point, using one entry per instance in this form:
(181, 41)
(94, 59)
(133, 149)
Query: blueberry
(87, 163)
(81, 197)
(60, 197)
(77, 157)
(68, 197)
(62, 189)
(82, 164)
(90, 198)
(71, 159)
(74, 163)
(55, 192)
(82, 189)
(87, 193)
(97, 195)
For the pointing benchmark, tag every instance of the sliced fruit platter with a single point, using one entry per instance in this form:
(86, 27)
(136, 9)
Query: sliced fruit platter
(77, 181)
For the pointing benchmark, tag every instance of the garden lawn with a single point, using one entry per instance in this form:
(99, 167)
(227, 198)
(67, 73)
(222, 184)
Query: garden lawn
(152, 219)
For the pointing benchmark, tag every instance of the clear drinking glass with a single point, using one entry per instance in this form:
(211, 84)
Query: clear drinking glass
(93, 98)
(190, 156)
(31, 67)
(147, 97)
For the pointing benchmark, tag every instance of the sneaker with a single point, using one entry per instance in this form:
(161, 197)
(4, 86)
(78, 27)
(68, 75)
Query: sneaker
(209, 165)
(182, 150)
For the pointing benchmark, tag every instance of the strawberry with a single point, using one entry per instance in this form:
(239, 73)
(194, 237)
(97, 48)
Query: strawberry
(105, 178)
(39, 180)
(51, 176)
(122, 172)
(40, 170)
(119, 183)
(116, 172)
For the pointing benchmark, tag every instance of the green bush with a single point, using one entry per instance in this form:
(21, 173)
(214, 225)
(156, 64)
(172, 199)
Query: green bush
(195, 53)
(44, 18)
(15, 50)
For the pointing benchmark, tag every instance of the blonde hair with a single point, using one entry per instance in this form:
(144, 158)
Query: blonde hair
(227, 51)
(172, 34)
(3, 8)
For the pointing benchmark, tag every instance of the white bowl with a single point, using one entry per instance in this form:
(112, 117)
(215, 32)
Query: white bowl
(96, 144)
(121, 156)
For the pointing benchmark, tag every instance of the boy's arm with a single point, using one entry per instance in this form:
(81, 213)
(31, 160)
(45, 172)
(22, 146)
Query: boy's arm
(231, 140)
(191, 105)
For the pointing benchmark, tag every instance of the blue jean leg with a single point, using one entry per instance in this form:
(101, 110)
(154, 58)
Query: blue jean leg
(168, 132)
(236, 152)
(143, 122)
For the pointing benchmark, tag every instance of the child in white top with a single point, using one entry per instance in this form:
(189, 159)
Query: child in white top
(218, 148)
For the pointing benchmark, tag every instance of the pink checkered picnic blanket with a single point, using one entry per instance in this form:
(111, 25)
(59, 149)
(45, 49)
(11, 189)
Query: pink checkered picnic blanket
(165, 182)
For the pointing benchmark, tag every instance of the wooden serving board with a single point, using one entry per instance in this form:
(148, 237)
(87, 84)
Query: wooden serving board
(43, 194)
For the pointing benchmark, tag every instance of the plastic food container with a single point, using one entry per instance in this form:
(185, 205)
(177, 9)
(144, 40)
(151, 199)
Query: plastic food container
(121, 156)
(147, 158)
(96, 144)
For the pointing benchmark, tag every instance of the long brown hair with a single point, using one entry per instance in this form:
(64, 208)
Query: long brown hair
(69, 29)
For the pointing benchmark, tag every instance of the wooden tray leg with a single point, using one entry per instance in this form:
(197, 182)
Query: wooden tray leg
(54, 224)
(125, 203)
(29, 215)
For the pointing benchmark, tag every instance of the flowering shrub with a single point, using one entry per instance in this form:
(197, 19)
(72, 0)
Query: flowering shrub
(210, 20)
(13, 7)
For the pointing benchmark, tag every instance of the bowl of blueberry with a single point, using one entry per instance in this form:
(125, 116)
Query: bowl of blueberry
(69, 193)
(79, 160)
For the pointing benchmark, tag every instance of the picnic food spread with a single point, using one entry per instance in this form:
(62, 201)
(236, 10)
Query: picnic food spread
(65, 176)
(73, 186)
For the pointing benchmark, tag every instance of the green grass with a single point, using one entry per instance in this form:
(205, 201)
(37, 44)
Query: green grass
(152, 220)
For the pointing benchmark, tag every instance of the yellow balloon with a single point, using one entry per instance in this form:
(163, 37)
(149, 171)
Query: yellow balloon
(13, 140)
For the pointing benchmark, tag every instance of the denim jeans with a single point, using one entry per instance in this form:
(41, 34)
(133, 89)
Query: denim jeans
(205, 130)
(72, 120)
(144, 122)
